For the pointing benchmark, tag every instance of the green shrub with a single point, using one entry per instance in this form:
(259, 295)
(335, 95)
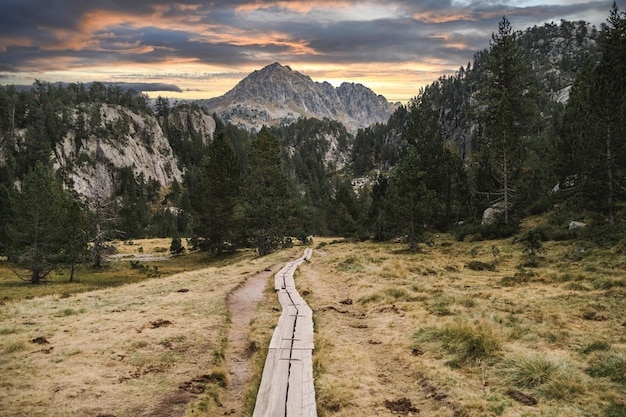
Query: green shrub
(478, 232)
(606, 283)
(615, 410)
(440, 305)
(533, 370)
(398, 294)
(372, 298)
(16, 346)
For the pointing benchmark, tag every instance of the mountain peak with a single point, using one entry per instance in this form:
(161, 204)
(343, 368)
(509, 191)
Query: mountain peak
(276, 65)
(278, 95)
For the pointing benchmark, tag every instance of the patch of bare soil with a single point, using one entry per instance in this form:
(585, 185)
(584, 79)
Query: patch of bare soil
(521, 397)
(402, 405)
(242, 304)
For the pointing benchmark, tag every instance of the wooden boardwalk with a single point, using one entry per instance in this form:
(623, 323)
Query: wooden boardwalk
(287, 383)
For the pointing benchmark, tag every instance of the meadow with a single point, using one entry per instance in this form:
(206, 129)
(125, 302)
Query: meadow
(132, 339)
(484, 328)
(468, 329)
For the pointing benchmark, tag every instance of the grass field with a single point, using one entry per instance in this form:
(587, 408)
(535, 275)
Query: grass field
(398, 332)
(458, 329)
(141, 344)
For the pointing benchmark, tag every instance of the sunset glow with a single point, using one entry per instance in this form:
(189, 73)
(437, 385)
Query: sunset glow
(200, 51)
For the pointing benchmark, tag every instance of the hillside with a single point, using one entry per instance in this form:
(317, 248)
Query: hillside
(340, 146)
(276, 95)
(556, 54)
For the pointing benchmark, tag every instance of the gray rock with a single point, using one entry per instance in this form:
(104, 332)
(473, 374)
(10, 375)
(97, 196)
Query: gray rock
(491, 215)
(574, 225)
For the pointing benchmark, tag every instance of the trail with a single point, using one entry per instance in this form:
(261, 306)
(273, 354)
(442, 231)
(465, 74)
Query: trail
(242, 305)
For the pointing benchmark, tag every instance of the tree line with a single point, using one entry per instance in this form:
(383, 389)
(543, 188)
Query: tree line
(488, 137)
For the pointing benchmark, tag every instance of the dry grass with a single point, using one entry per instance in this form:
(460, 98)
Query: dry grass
(128, 266)
(457, 341)
(153, 347)
(393, 329)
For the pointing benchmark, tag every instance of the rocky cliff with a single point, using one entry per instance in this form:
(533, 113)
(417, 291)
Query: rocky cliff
(276, 95)
(124, 139)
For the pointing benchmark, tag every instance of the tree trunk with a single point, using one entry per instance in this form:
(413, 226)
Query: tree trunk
(72, 271)
(609, 168)
(35, 277)
(413, 243)
(505, 182)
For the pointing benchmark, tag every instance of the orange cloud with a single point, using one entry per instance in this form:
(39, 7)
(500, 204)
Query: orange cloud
(435, 17)
(6, 42)
(295, 6)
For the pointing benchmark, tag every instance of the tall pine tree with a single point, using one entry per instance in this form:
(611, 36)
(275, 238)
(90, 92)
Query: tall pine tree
(217, 198)
(592, 144)
(508, 112)
(267, 200)
(42, 235)
(409, 203)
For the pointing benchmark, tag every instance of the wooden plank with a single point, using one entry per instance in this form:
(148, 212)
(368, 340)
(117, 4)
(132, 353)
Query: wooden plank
(287, 384)
(294, 396)
(270, 399)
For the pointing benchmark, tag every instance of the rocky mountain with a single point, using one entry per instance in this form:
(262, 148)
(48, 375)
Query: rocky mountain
(556, 52)
(276, 95)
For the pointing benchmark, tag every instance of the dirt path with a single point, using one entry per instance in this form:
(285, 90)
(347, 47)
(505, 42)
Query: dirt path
(242, 303)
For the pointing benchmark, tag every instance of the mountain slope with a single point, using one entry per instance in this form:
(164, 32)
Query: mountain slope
(277, 95)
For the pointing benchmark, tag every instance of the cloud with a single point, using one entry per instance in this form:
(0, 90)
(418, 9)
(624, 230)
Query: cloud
(108, 38)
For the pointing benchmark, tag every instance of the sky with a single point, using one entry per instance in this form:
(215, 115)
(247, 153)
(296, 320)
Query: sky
(191, 49)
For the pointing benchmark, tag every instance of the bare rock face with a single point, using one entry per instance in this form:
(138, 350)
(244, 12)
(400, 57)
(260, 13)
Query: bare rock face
(193, 120)
(125, 139)
(277, 95)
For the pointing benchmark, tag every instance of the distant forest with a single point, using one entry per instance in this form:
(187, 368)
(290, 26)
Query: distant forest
(475, 154)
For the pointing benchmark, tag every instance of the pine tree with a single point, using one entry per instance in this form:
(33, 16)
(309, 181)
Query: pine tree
(410, 204)
(610, 104)
(508, 111)
(439, 158)
(266, 199)
(35, 232)
(76, 229)
(104, 212)
(592, 143)
(216, 200)
(176, 246)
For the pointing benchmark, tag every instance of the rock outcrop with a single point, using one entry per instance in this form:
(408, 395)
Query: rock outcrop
(124, 140)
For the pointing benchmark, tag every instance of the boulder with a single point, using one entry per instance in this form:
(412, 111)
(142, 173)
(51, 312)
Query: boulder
(575, 225)
(491, 215)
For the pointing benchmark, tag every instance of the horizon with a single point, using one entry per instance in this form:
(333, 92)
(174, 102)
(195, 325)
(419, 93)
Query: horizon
(186, 50)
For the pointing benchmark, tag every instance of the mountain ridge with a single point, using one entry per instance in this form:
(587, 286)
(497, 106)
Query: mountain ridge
(277, 95)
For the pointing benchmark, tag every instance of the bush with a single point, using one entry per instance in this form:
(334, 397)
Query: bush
(176, 247)
(615, 410)
(596, 346)
(439, 305)
(533, 370)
